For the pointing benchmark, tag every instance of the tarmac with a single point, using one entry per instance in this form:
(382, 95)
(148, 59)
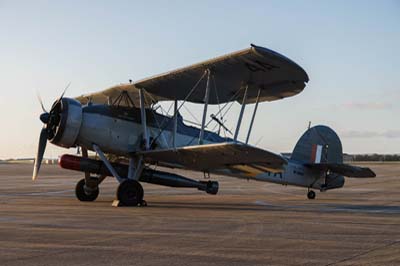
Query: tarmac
(247, 223)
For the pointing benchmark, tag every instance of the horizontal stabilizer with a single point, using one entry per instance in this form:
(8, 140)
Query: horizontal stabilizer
(345, 169)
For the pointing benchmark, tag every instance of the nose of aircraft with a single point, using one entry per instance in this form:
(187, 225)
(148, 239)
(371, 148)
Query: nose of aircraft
(50, 121)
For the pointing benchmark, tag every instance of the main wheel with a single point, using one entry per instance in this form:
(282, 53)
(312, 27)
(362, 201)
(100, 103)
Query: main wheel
(311, 194)
(130, 193)
(83, 194)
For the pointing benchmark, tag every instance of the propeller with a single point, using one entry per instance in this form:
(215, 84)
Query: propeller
(59, 99)
(39, 155)
(51, 121)
(41, 102)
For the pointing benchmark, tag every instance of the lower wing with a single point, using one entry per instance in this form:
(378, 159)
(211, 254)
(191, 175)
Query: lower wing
(237, 157)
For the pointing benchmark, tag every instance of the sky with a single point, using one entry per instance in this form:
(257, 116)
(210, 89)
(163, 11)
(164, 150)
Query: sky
(350, 50)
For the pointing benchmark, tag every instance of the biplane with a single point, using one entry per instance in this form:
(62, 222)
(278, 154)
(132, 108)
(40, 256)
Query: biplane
(123, 121)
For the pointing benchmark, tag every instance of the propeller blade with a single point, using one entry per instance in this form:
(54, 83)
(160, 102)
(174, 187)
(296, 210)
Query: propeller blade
(65, 89)
(41, 102)
(40, 153)
(59, 99)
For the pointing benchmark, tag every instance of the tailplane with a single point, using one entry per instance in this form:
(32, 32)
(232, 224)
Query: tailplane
(320, 148)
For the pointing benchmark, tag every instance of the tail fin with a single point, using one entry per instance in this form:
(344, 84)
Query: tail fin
(319, 144)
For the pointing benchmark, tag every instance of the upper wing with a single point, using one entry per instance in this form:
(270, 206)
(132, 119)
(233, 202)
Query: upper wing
(210, 157)
(259, 68)
(345, 169)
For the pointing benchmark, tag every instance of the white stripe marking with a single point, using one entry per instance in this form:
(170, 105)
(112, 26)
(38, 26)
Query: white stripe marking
(318, 154)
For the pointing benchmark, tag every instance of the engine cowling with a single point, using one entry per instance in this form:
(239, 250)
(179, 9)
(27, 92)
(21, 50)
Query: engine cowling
(67, 122)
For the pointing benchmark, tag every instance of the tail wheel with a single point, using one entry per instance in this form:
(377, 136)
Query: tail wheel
(311, 194)
(130, 193)
(82, 194)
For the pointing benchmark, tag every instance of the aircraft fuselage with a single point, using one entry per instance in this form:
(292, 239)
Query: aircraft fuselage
(119, 130)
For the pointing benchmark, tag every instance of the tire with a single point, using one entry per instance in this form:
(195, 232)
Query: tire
(81, 193)
(311, 194)
(130, 193)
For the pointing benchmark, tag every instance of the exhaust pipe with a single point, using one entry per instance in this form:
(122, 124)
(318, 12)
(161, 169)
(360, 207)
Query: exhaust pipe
(97, 167)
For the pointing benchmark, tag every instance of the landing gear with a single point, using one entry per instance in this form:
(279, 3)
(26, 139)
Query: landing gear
(130, 193)
(311, 194)
(84, 193)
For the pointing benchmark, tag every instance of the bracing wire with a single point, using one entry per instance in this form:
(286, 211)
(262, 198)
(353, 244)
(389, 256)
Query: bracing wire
(194, 117)
(230, 101)
(219, 105)
(180, 106)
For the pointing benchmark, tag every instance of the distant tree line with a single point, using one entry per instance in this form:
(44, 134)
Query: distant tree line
(376, 157)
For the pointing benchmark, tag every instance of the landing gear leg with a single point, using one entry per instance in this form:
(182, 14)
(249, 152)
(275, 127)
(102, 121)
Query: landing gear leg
(311, 194)
(129, 192)
(87, 189)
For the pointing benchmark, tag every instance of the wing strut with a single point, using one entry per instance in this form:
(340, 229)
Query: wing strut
(143, 118)
(206, 98)
(241, 113)
(175, 124)
(107, 163)
(254, 115)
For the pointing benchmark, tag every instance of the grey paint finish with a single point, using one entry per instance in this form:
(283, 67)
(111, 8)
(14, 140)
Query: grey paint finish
(119, 131)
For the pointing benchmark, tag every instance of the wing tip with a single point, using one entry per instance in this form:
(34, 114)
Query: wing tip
(262, 49)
